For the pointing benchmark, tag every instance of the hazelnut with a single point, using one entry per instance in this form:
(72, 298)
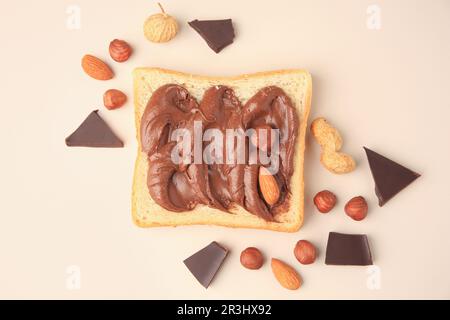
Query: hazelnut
(325, 201)
(305, 252)
(252, 258)
(113, 99)
(356, 208)
(119, 50)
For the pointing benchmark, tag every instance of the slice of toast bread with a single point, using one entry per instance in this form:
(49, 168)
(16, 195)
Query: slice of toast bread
(146, 212)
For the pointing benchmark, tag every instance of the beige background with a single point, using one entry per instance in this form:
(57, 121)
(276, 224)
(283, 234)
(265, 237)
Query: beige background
(385, 89)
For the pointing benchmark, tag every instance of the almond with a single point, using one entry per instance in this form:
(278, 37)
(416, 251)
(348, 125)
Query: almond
(96, 68)
(286, 275)
(268, 186)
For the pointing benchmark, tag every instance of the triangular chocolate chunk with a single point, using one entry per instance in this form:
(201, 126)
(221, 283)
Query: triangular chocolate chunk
(205, 263)
(390, 177)
(217, 33)
(94, 132)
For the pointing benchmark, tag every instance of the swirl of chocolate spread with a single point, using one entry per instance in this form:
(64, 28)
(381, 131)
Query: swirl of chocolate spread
(181, 187)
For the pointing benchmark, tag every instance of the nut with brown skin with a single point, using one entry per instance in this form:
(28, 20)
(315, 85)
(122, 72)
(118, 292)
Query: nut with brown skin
(120, 50)
(268, 186)
(113, 99)
(325, 201)
(96, 68)
(305, 252)
(287, 276)
(252, 258)
(357, 208)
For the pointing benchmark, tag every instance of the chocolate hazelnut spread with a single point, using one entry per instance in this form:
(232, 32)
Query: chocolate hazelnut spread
(221, 185)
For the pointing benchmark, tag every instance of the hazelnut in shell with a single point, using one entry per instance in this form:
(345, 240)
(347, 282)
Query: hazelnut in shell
(160, 27)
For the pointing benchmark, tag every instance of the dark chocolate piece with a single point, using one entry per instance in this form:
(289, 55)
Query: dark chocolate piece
(94, 132)
(217, 33)
(205, 263)
(348, 249)
(390, 177)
